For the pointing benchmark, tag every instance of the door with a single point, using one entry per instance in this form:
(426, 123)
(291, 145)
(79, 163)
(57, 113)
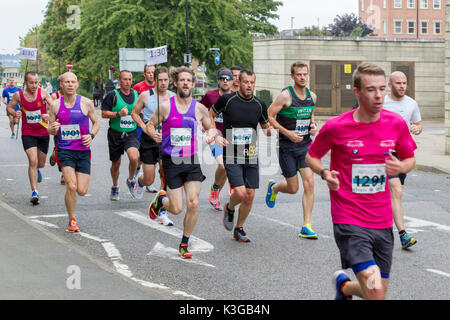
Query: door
(408, 69)
(331, 81)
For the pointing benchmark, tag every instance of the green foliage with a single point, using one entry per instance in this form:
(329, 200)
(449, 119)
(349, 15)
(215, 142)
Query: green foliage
(107, 26)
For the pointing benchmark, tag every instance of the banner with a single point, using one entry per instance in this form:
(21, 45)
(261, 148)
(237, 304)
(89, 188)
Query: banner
(28, 53)
(157, 55)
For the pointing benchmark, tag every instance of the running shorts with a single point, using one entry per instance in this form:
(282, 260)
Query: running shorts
(243, 175)
(292, 159)
(33, 141)
(80, 160)
(120, 142)
(182, 170)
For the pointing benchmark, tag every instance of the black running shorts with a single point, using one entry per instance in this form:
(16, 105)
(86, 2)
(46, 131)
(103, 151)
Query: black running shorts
(33, 141)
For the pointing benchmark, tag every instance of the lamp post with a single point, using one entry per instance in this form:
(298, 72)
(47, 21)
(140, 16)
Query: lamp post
(187, 28)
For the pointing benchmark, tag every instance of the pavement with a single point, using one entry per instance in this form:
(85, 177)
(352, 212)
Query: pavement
(37, 265)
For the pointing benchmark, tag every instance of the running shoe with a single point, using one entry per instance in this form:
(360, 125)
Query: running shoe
(270, 195)
(151, 189)
(407, 241)
(73, 226)
(155, 206)
(35, 198)
(228, 217)
(13, 135)
(240, 235)
(138, 189)
(163, 218)
(214, 199)
(114, 195)
(138, 173)
(307, 232)
(39, 176)
(130, 185)
(52, 159)
(184, 252)
(339, 278)
(62, 181)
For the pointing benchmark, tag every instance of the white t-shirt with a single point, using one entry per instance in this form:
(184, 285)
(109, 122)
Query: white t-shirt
(407, 108)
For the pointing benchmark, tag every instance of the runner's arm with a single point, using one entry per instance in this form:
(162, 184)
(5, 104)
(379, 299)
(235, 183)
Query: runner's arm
(137, 110)
(280, 102)
(314, 125)
(207, 123)
(156, 119)
(394, 166)
(331, 177)
(54, 124)
(15, 100)
(87, 139)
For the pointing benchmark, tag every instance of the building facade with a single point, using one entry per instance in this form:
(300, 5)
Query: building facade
(418, 19)
(9, 72)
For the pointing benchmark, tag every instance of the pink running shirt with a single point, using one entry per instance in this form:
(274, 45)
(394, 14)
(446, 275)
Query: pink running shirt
(358, 153)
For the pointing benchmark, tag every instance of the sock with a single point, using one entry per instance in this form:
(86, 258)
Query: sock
(160, 198)
(401, 233)
(342, 287)
(184, 240)
(215, 187)
(139, 183)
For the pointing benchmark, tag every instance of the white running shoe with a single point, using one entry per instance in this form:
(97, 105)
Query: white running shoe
(164, 219)
(151, 189)
(138, 190)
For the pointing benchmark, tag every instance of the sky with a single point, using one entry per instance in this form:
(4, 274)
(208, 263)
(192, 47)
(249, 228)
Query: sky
(18, 16)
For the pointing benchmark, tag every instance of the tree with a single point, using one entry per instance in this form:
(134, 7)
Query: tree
(344, 25)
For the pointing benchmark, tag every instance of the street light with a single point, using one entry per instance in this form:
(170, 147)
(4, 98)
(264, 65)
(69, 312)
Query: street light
(187, 28)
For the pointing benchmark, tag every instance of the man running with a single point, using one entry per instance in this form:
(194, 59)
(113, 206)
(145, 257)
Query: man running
(122, 133)
(53, 157)
(242, 112)
(292, 113)
(69, 119)
(35, 138)
(180, 118)
(224, 79)
(7, 95)
(149, 150)
(407, 107)
(361, 143)
(235, 70)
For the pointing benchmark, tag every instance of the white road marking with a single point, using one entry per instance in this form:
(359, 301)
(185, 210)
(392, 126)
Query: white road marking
(195, 244)
(419, 223)
(48, 216)
(163, 251)
(439, 272)
(47, 224)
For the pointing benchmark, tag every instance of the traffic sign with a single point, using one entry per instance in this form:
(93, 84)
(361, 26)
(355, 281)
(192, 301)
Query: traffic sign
(217, 59)
(69, 65)
(112, 68)
(187, 58)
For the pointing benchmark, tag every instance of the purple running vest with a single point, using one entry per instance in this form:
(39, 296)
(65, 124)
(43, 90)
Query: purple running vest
(74, 125)
(179, 132)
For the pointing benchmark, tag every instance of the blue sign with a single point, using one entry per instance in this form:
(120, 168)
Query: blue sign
(217, 59)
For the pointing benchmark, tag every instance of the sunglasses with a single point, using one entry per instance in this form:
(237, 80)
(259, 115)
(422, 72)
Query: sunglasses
(228, 78)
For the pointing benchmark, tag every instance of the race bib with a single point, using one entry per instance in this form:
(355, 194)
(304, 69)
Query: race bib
(241, 136)
(33, 116)
(219, 118)
(302, 125)
(180, 137)
(70, 132)
(126, 122)
(368, 178)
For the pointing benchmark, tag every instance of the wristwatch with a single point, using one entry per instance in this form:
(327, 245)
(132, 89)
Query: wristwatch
(92, 136)
(322, 172)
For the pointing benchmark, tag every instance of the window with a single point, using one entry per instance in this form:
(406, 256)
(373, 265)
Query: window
(424, 27)
(384, 27)
(437, 27)
(423, 4)
(436, 4)
(384, 4)
(397, 3)
(370, 5)
(411, 4)
(362, 5)
(411, 27)
(397, 26)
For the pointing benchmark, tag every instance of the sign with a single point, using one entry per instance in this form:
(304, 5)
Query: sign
(28, 53)
(69, 65)
(217, 59)
(157, 55)
(187, 58)
(112, 68)
(347, 68)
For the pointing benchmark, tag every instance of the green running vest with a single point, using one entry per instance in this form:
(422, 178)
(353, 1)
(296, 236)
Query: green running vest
(123, 124)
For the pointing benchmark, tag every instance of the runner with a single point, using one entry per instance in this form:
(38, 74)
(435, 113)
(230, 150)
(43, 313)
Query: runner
(147, 84)
(69, 119)
(224, 79)
(180, 117)
(53, 159)
(242, 112)
(7, 95)
(35, 139)
(292, 113)
(149, 150)
(122, 133)
(235, 70)
(361, 143)
(407, 107)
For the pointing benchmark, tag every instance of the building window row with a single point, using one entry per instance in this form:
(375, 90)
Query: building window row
(9, 75)
(410, 4)
(411, 26)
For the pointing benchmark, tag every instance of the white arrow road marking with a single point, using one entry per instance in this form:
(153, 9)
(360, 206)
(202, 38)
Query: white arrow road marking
(163, 251)
(195, 244)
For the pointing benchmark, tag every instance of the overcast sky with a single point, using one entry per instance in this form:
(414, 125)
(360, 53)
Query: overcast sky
(18, 16)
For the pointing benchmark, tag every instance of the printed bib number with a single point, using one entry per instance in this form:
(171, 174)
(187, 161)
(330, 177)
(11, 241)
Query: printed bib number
(219, 118)
(70, 132)
(180, 137)
(126, 122)
(242, 136)
(368, 178)
(33, 116)
(302, 125)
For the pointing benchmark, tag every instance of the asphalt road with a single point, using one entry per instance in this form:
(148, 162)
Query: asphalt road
(276, 265)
